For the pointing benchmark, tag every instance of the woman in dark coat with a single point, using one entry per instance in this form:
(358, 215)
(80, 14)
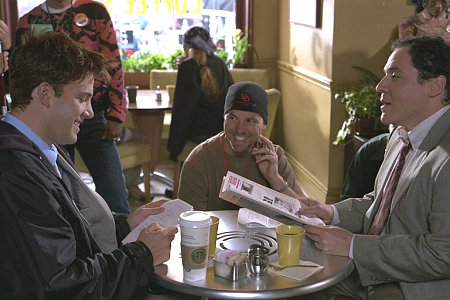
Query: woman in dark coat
(202, 84)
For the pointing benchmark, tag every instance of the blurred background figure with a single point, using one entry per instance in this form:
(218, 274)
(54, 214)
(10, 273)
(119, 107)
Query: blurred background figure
(133, 175)
(202, 84)
(5, 45)
(364, 168)
(431, 19)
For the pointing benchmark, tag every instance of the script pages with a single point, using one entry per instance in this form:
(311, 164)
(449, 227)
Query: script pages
(169, 217)
(249, 194)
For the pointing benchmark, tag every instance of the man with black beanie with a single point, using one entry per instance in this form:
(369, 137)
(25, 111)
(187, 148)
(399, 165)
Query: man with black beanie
(240, 148)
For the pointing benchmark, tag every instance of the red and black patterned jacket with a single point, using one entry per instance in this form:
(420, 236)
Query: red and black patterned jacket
(96, 31)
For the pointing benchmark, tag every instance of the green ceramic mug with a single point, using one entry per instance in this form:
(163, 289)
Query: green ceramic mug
(290, 241)
(213, 235)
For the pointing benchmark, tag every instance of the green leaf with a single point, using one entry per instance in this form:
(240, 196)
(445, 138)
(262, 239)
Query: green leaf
(362, 101)
(145, 61)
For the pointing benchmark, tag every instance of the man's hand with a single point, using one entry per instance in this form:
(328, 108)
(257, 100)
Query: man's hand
(4, 62)
(322, 211)
(5, 37)
(330, 239)
(267, 161)
(140, 214)
(112, 130)
(158, 240)
(181, 58)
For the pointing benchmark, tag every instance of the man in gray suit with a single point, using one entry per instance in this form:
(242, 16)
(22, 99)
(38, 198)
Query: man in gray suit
(408, 256)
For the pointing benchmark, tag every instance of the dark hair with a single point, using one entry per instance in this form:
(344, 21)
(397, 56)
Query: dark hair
(421, 4)
(55, 58)
(430, 56)
(199, 38)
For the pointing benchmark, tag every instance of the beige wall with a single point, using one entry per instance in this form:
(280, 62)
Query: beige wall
(311, 64)
(265, 36)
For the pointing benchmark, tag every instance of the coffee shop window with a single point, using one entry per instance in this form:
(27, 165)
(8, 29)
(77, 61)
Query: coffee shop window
(156, 27)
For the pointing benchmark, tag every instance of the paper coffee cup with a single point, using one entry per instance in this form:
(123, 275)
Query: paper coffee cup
(194, 227)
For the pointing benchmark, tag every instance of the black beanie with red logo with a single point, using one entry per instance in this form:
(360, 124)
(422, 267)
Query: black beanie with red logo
(247, 96)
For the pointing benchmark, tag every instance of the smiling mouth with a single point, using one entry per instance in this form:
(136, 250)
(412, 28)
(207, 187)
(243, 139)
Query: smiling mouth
(240, 138)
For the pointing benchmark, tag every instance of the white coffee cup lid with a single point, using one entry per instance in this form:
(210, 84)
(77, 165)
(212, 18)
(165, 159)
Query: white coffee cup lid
(194, 219)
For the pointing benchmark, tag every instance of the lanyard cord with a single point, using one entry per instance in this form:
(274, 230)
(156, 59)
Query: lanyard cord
(224, 158)
(50, 15)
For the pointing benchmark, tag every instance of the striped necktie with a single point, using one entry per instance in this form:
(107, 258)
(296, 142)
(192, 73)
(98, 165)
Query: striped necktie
(386, 201)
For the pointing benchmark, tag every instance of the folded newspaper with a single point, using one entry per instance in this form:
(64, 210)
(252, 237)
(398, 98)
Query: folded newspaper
(261, 199)
(251, 219)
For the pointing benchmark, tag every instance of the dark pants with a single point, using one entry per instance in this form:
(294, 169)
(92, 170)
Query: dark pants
(352, 287)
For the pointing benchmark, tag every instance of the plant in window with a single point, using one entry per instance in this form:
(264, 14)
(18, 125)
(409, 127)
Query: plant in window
(362, 105)
(128, 52)
(223, 54)
(172, 60)
(145, 61)
(241, 46)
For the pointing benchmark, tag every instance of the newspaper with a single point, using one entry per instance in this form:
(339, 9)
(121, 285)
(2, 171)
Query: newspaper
(169, 217)
(253, 220)
(249, 194)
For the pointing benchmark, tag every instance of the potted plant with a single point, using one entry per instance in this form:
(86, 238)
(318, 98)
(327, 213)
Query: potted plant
(144, 61)
(240, 47)
(137, 65)
(362, 105)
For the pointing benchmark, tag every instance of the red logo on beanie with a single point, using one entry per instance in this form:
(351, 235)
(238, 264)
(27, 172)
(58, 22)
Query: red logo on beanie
(245, 97)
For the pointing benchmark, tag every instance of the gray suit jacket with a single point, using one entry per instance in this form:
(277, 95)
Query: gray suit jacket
(415, 250)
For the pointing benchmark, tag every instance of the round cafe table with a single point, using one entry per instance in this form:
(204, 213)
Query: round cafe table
(232, 235)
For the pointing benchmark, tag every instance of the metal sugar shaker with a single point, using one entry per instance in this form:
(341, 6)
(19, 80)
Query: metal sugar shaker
(258, 259)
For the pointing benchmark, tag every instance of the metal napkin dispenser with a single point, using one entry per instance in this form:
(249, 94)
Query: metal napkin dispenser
(233, 273)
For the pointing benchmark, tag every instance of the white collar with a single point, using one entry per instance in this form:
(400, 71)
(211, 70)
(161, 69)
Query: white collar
(418, 133)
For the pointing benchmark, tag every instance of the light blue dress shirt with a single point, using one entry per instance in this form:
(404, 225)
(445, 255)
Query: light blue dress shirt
(49, 150)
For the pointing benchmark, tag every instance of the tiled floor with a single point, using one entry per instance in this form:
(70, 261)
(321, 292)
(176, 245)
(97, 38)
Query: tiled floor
(157, 187)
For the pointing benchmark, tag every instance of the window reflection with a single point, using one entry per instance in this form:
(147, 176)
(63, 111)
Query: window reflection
(159, 25)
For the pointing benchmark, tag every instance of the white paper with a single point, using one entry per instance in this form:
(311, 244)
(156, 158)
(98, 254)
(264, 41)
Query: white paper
(251, 219)
(298, 273)
(261, 199)
(169, 217)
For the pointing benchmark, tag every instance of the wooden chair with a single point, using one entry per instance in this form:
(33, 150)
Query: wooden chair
(188, 147)
(132, 154)
(272, 108)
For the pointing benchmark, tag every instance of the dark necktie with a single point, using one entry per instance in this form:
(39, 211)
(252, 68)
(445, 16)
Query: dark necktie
(385, 206)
